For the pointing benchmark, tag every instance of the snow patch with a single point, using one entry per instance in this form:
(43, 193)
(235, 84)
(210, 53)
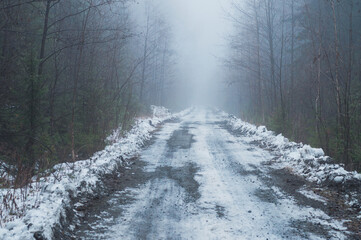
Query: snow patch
(304, 160)
(39, 207)
(312, 195)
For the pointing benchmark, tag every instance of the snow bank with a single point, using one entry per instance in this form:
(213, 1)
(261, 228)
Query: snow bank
(37, 209)
(304, 160)
(159, 112)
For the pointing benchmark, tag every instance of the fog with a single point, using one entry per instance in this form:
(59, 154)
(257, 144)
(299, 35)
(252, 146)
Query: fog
(291, 65)
(78, 75)
(199, 32)
(73, 71)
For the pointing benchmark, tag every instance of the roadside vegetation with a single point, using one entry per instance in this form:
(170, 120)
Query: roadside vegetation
(70, 73)
(295, 67)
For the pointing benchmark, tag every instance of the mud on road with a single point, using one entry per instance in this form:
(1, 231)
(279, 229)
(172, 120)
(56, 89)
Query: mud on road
(197, 180)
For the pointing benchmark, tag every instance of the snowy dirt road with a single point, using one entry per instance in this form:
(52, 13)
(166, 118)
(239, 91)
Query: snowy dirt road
(197, 180)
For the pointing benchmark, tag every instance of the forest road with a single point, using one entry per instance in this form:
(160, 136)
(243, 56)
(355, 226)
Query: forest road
(198, 180)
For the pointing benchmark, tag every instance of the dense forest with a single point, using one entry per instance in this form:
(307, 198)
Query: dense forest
(71, 72)
(155, 119)
(296, 67)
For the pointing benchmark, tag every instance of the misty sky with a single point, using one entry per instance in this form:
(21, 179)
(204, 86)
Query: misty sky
(199, 29)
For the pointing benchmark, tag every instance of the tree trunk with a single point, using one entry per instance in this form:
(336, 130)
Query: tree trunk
(291, 91)
(145, 53)
(127, 107)
(269, 12)
(259, 73)
(44, 36)
(336, 79)
(347, 98)
(283, 112)
(76, 79)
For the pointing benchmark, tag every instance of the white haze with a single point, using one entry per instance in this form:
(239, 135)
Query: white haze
(199, 30)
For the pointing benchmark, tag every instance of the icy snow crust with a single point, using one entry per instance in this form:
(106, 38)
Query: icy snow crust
(301, 159)
(227, 206)
(46, 199)
(304, 160)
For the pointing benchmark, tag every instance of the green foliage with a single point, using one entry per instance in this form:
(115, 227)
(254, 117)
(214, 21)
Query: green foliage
(88, 65)
(88, 143)
(312, 137)
(278, 124)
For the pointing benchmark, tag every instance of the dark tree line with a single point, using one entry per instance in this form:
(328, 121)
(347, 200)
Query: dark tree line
(297, 65)
(70, 72)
